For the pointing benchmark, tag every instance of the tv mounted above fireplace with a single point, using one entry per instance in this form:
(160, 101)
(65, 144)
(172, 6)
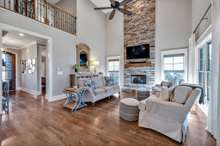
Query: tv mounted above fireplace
(138, 52)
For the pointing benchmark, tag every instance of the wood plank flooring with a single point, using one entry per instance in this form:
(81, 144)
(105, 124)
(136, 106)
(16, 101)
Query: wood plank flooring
(37, 123)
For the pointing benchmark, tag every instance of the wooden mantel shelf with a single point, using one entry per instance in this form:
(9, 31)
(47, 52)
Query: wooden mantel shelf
(144, 64)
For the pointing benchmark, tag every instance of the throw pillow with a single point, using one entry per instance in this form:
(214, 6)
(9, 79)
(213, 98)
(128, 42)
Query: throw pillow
(181, 94)
(165, 94)
(90, 84)
(109, 81)
(81, 82)
(93, 85)
(99, 81)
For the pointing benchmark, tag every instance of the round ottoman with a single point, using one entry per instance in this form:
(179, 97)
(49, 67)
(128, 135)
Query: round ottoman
(129, 109)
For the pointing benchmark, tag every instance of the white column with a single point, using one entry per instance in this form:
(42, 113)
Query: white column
(214, 105)
(217, 47)
(0, 73)
(192, 61)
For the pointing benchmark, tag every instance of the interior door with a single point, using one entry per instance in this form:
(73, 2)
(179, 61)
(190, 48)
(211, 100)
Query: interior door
(9, 70)
(204, 72)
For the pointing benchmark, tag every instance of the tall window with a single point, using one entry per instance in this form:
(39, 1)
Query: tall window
(113, 66)
(174, 67)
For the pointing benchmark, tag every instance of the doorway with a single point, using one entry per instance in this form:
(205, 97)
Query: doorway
(9, 70)
(204, 72)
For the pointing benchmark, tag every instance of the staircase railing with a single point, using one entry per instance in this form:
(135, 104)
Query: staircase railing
(43, 11)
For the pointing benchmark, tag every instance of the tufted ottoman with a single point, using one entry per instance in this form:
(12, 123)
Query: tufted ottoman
(129, 109)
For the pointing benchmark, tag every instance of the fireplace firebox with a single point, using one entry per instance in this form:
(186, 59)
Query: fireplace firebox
(139, 79)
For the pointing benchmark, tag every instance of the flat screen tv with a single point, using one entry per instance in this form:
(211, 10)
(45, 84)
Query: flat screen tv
(138, 52)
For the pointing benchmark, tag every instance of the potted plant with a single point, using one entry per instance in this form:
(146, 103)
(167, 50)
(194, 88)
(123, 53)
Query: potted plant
(76, 67)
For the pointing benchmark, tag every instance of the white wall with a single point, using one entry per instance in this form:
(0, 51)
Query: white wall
(115, 35)
(173, 27)
(115, 40)
(61, 47)
(91, 29)
(29, 81)
(198, 9)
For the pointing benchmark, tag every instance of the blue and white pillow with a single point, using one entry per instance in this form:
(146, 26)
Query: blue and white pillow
(109, 81)
(93, 85)
(90, 84)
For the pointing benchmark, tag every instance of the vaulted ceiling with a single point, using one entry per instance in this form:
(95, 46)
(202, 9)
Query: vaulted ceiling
(53, 1)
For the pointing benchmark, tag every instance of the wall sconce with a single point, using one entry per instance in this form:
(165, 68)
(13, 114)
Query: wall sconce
(33, 61)
(94, 64)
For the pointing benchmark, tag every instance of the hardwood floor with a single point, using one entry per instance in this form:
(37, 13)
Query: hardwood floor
(37, 123)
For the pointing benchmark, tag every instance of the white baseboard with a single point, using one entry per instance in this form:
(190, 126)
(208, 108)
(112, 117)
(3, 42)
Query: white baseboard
(32, 92)
(18, 88)
(56, 98)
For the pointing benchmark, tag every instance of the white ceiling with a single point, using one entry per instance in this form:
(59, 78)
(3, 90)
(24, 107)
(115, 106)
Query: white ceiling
(103, 3)
(14, 41)
(53, 1)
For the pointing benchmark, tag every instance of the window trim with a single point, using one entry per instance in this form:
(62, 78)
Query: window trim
(174, 52)
(113, 58)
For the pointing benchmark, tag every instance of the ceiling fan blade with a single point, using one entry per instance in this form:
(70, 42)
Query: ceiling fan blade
(125, 2)
(103, 8)
(125, 11)
(111, 16)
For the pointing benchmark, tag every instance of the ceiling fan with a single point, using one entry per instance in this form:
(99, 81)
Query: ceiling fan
(116, 5)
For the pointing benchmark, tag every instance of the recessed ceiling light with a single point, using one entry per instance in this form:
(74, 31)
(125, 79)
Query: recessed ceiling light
(21, 34)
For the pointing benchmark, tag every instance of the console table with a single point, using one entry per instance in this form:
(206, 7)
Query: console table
(75, 94)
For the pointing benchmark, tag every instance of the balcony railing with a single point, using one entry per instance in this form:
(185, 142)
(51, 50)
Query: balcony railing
(44, 12)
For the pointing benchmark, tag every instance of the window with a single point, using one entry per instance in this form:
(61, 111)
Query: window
(113, 66)
(174, 66)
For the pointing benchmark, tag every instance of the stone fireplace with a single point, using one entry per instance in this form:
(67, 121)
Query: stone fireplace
(140, 29)
(139, 77)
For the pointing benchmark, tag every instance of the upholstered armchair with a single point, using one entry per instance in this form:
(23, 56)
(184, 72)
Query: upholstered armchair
(169, 115)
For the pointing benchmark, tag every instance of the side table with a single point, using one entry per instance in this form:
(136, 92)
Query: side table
(77, 95)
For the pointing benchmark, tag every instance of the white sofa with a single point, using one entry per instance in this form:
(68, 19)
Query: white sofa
(169, 117)
(101, 90)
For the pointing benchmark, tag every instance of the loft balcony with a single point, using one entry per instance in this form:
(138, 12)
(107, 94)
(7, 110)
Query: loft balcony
(44, 12)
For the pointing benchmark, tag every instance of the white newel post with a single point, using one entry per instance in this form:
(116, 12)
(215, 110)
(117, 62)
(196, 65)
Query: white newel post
(214, 105)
